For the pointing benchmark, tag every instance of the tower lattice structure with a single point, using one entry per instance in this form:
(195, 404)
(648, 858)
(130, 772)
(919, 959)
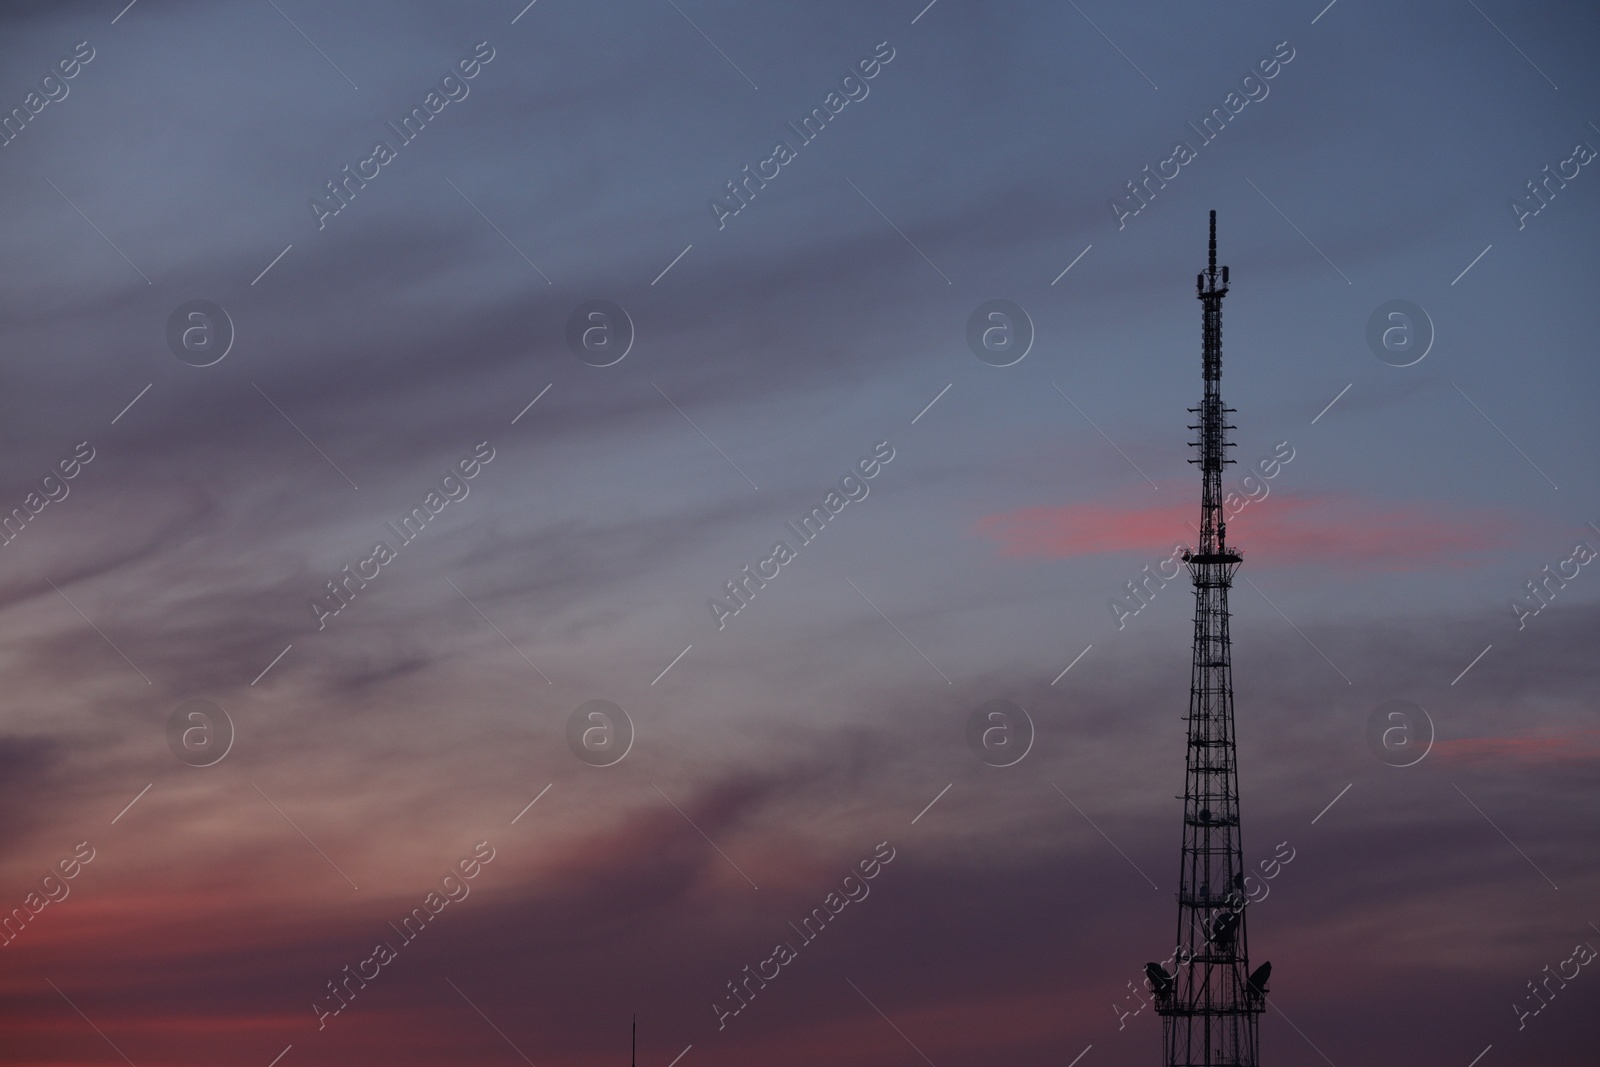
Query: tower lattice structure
(1210, 1002)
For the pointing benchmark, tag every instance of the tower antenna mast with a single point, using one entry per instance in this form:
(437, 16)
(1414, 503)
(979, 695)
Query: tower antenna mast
(1210, 1002)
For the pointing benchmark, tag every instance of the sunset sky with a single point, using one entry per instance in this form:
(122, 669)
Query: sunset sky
(413, 346)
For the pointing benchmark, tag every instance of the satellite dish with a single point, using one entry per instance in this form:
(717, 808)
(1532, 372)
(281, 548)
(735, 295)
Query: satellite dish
(1258, 978)
(1160, 980)
(1223, 927)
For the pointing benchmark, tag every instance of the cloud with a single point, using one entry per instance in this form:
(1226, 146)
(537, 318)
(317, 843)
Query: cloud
(1283, 529)
(1065, 531)
(1528, 751)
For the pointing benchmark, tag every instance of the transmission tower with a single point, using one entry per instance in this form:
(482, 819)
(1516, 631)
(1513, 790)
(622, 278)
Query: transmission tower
(1210, 1001)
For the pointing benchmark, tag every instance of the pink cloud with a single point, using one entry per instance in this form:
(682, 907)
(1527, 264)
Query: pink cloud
(1543, 750)
(1283, 529)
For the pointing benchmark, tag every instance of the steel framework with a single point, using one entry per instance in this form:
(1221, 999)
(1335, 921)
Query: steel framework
(1211, 1002)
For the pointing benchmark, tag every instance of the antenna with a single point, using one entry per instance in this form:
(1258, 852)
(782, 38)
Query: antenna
(635, 1041)
(1211, 1002)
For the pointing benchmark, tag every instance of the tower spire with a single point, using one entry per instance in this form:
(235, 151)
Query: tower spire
(1213, 265)
(1210, 1001)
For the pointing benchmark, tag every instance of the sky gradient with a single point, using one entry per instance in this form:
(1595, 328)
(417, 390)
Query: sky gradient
(412, 354)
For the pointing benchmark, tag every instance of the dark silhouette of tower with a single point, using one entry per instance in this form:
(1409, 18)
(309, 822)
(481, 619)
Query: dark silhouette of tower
(1210, 1003)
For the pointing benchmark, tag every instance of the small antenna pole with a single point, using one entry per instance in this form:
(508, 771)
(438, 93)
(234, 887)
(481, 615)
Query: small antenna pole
(1213, 263)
